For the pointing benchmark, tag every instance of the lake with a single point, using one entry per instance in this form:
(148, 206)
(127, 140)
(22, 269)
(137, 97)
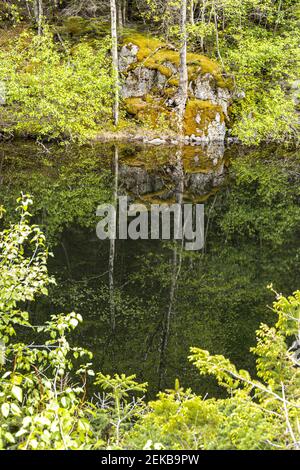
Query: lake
(146, 302)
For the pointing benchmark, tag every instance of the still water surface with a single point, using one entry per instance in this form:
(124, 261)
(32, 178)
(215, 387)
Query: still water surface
(164, 300)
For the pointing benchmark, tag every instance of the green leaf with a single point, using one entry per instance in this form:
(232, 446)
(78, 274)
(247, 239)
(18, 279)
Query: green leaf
(5, 409)
(17, 393)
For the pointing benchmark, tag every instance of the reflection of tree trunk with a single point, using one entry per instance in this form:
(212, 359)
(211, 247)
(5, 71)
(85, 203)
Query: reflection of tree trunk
(176, 268)
(112, 250)
(67, 257)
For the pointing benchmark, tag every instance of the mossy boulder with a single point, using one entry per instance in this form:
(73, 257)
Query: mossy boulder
(204, 120)
(150, 67)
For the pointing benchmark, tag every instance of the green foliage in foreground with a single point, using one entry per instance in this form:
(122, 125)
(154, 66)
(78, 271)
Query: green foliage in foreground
(53, 91)
(43, 387)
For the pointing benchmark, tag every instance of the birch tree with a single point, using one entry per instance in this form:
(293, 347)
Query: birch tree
(183, 70)
(115, 60)
(192, 6)
(38, 14)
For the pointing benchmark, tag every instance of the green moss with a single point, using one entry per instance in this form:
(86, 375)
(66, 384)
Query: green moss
(149, 110)
(77, 26)
(154, 54)
(146, 44)
(206, 111)
(170, 91)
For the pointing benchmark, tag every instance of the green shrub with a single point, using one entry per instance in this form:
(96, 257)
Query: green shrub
(53, 91)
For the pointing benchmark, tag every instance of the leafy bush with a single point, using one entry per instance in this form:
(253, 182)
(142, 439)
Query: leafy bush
(265, 67)
(53, 91)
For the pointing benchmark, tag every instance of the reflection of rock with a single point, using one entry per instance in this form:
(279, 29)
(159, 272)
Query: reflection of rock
(138, 181)
(200, 184)
(203, 171)
(150, 86)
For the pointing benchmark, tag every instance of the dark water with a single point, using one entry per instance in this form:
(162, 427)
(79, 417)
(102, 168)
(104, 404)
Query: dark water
(165, 300)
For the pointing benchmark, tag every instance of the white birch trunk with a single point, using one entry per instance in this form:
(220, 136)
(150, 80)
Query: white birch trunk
(115, 60)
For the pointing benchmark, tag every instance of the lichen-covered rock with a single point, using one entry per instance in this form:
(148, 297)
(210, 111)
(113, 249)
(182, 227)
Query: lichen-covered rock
(128, 56)
(150, 68)
(139, 82)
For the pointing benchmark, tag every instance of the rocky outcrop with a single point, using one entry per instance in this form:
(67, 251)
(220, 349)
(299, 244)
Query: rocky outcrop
(150, 71)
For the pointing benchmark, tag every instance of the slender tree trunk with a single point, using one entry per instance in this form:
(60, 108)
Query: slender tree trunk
(203, 22)
(124, 12)
(183, 70)
(192, 6)
(112, 248)
(115, 60)
(120, 14)
(217, 37)
(278, 15)
(38, 14)
(28, 10)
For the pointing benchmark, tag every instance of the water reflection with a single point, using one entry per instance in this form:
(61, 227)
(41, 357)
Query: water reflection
(146, 302)
(152, 175)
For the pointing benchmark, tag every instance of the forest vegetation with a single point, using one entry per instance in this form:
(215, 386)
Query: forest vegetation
(57, 54)
(44, 398)
(67, 71)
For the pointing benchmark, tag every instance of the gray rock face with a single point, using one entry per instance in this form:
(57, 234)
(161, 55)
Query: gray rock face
(138, 82)
(127, 56)
(204, 90)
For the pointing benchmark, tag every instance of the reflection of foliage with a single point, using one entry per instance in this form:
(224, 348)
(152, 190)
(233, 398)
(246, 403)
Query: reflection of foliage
(66, 189)
(221, 294)
(262, 201)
